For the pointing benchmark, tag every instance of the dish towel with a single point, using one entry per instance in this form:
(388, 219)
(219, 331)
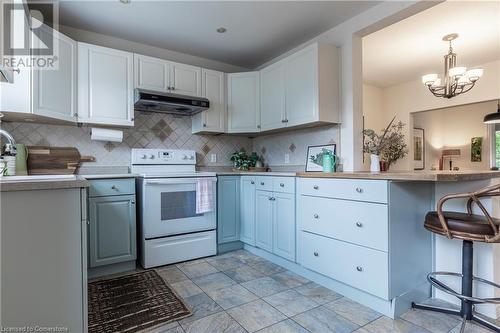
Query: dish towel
(204, 196)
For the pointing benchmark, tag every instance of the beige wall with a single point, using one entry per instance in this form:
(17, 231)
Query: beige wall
(373, 112)
(453, 128)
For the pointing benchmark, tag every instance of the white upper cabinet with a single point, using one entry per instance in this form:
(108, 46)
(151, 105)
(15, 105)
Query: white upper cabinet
(151, 73)
(105, 86)
(166, 76)
(185, 79)
(54, 91)
(243, 109)
(47, 92)
(16, 96)
(272, 96)
(213, 87)
(302, 89)
(312, 86)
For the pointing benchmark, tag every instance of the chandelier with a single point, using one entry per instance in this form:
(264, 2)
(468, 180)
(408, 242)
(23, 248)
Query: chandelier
(457, 79)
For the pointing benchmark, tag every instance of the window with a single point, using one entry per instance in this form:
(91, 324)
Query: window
(497, 145)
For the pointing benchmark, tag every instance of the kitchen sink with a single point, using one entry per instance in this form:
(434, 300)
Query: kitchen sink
(37, 178)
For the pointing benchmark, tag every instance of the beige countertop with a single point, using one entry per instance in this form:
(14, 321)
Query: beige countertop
(31, 183)
(252, 173)
(110, 176)
(434, 176)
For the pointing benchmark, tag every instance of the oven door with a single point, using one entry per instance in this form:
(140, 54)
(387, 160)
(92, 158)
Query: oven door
(169, 207)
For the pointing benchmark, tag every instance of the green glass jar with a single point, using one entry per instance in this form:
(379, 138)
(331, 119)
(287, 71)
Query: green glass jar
(328, 162)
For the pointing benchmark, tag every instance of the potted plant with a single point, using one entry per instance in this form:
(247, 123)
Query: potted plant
(385, 148)
(242, 161)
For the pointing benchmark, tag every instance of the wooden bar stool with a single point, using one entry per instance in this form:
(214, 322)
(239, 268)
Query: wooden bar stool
(469, 228)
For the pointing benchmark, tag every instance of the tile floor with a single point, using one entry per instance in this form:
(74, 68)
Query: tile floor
(241, 292)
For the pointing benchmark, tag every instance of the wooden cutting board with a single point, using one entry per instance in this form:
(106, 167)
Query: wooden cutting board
(44, 160)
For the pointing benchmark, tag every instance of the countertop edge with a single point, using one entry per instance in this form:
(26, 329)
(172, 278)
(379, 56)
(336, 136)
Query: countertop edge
(44, 185)
(406, 176)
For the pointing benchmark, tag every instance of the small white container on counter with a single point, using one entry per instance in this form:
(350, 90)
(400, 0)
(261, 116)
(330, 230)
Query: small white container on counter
(3, 166)
(10, 169)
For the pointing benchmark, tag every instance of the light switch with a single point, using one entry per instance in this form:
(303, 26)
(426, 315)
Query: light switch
(287, 158)
(213, 158)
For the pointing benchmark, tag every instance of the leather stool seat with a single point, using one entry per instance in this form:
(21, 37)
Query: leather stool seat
(461, 225)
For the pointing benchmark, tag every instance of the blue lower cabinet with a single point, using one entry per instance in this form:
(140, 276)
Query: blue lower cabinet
(228, 209)
(247, 210)
(112, 230)
(284, 225)
(264, 220)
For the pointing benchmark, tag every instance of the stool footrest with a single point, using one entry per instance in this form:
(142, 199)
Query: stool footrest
(432, 278)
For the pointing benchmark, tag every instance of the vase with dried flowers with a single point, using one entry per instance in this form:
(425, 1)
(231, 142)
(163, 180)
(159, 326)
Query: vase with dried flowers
(387, 147)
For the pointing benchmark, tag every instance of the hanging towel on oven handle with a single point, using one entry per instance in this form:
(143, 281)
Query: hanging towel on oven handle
(205, 200)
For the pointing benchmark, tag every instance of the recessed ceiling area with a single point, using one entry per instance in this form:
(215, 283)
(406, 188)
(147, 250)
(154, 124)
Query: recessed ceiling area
(413, 47)
(256, 31)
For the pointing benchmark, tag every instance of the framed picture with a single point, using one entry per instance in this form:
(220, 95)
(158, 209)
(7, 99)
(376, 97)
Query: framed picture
(476, 149)
(418, 149)
(314, 162)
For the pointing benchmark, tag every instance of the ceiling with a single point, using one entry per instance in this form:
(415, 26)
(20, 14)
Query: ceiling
(413, 47)
(257, 31)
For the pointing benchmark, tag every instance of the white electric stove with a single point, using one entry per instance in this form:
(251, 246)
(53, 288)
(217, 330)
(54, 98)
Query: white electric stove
(170, 230)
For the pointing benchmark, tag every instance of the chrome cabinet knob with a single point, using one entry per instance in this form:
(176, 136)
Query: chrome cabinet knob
(359, 190)
(359, 268)
(282, 185)
(204, 125)
(114, 188)
(252, 182)
(315, 187)
(262, 183)
(316, 254)
(316, 216)
(359, 224)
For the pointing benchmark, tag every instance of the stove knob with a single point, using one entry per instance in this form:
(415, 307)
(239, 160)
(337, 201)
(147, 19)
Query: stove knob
(185, 157)
(192, 157)
(144, 156)
(151, 156)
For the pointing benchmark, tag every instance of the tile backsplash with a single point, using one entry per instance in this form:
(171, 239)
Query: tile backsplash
(151, 130)
(154, 130)
(273, 147)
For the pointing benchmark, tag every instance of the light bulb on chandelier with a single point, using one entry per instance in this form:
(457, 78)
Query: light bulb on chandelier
(456, 80)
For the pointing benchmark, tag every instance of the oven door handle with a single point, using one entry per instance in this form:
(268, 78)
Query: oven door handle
(174, 181)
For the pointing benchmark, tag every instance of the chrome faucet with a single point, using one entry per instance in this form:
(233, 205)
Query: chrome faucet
(8, 136)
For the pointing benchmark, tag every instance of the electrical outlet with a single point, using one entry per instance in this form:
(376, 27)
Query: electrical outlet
(287, 158)
(213, 158)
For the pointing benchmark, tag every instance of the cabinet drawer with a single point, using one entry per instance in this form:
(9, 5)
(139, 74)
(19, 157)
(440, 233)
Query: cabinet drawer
(105, 187)
(351, 189)
(357, 266)
(362, 223)
(284, 184)
(264, 183)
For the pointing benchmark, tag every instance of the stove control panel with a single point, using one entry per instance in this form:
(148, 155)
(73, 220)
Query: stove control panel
(163, 156)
